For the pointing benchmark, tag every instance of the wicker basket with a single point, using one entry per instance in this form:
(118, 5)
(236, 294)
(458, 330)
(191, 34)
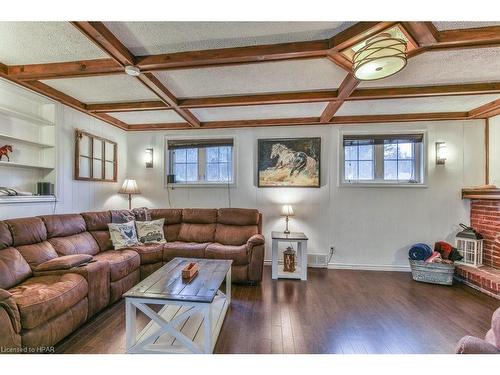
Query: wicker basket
(434, 273)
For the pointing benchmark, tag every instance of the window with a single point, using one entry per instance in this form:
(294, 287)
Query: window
(383, 158)
(95, 158)
(207, 161)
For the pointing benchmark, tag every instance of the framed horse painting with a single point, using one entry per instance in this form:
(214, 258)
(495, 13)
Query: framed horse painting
(289, 162)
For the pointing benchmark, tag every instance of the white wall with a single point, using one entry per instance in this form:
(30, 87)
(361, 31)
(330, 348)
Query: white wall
(369, 227)
(77, 196)
(495, 150)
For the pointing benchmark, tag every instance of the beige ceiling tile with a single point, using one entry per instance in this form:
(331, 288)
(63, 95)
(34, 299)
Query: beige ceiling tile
(292, 75)
(453, 25)
(415, 105)
(148, 117)
(103, 89)
(256, 112)
(44, 42)
(145, 38)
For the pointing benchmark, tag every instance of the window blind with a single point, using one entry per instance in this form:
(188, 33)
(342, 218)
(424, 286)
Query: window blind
(198, 143)
(360, 139)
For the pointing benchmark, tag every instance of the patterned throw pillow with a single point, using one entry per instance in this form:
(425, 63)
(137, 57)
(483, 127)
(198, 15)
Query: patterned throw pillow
(150, 231)
(123, 234)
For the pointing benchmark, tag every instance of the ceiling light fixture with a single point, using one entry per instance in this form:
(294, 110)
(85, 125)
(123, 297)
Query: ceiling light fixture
(132, 70)
(381, 57)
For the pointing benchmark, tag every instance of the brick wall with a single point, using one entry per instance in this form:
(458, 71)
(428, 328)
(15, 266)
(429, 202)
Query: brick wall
(485, 218)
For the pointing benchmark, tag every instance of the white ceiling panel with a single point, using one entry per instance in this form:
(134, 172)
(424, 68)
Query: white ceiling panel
(145, 38)
(448, 25)
(415, 105)
(44, 42)
(148, 117)
(103, 89)
(293, 75)
(260, 112)
(446, 67)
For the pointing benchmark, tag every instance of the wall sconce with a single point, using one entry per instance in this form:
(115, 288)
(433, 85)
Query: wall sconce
(148, 157)
(441, 153)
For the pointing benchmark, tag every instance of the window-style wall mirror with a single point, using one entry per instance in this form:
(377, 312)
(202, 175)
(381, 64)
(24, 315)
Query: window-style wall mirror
(95, 158)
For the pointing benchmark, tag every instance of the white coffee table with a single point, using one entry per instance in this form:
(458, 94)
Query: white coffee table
(192, 313)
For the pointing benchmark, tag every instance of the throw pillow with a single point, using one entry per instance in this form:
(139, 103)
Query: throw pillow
(150, 231)
(123, 235)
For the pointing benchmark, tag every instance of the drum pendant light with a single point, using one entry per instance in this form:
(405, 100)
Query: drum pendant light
(381, 57)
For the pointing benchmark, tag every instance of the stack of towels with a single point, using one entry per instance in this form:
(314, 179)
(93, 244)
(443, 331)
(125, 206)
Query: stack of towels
(443, 253)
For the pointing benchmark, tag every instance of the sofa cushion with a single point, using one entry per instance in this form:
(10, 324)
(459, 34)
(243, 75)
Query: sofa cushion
(123, 235)
(150, 231)
(63, 225)
(172, 224)
(149, 253)
(37, 253)
(238, 254)
(121, 262)
(199, 215)
(82, 243)
(234, 234)
(97, 221)
(5, 236)
(63, 263)
(196, 232)
(184, 250)
(238, 216)
(42, 298)
(27, 231)
(13, 268)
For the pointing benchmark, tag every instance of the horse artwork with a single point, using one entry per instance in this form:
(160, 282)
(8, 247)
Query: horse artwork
(5, 151)
(290, 162)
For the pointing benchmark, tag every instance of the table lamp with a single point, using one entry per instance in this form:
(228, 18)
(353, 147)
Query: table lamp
(287, 211)
(129, 187)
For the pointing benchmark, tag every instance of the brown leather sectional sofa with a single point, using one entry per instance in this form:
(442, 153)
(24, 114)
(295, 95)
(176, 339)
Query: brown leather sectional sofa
(57, 271)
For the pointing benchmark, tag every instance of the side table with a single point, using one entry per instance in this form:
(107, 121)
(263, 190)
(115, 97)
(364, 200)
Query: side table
(301, 268)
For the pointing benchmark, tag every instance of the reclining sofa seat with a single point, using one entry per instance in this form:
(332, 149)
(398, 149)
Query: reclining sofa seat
(35, 310)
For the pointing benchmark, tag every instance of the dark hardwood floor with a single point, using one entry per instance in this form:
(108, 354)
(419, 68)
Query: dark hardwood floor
(335, 311)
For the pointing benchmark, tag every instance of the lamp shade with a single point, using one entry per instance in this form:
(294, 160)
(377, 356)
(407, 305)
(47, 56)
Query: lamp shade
(382, 56)
(287, 210)
(129, 187)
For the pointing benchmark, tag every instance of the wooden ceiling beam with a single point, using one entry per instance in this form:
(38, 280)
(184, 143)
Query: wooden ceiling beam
(161, 126)
(486, 111)
(98, 33)
(424, 91)
(150, 80)
(357, 33)
(424, 33)
(127, 106)
(4, 69)
(405, 117)
(258, 99)
(346, 88)
(71, 69)
(466, 38)
(238, 55)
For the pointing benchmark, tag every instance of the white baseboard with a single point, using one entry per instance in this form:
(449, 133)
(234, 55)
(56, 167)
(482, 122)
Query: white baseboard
(368, 267)
(360, 267)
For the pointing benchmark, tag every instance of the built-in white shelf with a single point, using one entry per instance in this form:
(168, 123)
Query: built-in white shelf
(26, 141)
(25, 116)
(23, 165)
(27, 199)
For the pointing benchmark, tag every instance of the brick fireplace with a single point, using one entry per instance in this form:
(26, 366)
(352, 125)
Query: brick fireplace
(485, 218)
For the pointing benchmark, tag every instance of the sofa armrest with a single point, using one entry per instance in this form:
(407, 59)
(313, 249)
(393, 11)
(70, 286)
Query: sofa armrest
(256, 240)
(63, 263)
(10, 306)
(474, 345)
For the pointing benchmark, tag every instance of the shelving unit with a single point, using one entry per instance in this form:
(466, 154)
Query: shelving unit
(27, 123)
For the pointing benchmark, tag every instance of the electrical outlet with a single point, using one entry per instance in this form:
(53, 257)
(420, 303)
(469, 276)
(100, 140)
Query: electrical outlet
(332, 249)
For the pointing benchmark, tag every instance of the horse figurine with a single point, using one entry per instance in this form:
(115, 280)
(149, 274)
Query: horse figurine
(5, 151)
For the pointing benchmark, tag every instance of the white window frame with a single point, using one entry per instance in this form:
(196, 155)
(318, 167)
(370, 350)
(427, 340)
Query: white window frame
(189, 184)
(379, 162)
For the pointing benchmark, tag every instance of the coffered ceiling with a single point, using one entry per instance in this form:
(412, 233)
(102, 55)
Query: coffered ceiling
(240, 74)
